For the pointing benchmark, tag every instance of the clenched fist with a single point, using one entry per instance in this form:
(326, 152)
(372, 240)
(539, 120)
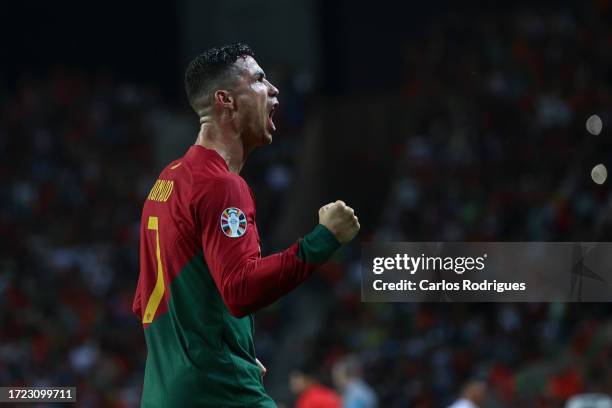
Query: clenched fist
(340, 220)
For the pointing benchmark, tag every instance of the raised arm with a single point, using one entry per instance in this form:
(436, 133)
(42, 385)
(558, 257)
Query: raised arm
(245, 280)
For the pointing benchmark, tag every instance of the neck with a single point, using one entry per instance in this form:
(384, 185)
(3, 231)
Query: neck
(224, 140)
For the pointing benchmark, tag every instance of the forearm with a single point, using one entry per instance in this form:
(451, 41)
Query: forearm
(257, 283)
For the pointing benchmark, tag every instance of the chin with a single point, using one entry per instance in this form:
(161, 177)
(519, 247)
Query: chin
(267, 138)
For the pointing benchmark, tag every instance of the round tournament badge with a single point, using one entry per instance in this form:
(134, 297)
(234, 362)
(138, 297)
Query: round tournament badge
(233, 222)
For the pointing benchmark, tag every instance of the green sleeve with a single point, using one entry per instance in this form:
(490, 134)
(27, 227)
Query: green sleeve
(318, 246)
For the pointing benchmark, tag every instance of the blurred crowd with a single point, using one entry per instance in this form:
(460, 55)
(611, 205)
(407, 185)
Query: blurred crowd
(498, 151)
(77, 162)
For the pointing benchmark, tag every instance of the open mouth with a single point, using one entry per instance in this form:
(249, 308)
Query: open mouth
(271, 118)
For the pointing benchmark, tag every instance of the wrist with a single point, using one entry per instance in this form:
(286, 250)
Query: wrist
(318, 246)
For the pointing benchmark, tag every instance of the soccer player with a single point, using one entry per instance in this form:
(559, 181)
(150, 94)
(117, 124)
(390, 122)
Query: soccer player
(201, 271)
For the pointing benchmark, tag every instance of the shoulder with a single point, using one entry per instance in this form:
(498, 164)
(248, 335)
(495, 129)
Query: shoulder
(226, 183)
(221, 189)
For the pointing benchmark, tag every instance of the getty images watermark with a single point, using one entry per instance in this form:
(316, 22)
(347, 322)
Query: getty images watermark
(458, 265)
(487, 272)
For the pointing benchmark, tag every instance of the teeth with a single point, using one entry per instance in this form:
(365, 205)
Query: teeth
(272, 110)
(271, 117)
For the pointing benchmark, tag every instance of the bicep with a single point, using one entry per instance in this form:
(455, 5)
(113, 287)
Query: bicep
(228, 235)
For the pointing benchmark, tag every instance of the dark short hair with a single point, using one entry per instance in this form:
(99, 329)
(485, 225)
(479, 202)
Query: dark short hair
(210, 67)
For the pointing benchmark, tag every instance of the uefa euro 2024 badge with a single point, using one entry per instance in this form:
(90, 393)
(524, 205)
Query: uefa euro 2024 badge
(233, 222)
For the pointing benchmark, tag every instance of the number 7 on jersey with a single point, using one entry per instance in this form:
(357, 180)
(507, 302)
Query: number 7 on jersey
(158, 290)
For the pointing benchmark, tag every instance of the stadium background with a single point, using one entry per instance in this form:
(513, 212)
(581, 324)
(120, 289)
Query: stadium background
(434, 121)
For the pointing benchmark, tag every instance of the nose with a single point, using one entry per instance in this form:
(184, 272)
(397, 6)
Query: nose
(272, 90)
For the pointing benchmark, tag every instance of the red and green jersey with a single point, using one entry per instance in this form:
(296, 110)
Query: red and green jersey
(201, 277)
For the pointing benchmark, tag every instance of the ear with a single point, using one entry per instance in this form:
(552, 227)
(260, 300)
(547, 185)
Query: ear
(224, 99)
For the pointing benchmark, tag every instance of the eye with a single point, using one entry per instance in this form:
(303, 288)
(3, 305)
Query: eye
(260, 78)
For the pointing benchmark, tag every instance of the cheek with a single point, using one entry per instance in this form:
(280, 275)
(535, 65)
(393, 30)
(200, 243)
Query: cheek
(250, 105)
(245, 111)
(252, 110)
(260, 97)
